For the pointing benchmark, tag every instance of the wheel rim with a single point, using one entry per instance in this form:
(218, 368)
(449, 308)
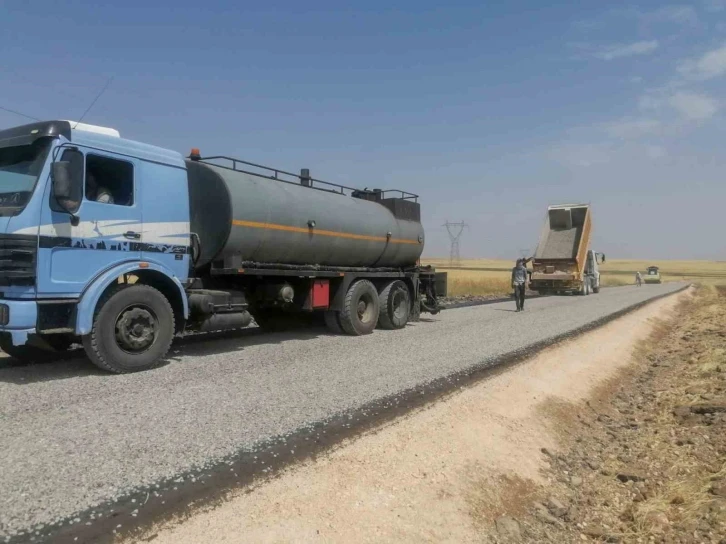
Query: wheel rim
(399, 304)
(365, 308)
(137, 328)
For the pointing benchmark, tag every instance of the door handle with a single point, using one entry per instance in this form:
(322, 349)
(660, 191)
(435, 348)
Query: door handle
(132, 235)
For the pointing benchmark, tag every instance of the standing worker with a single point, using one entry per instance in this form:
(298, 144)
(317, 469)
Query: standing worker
(638, 279)
(519, 282)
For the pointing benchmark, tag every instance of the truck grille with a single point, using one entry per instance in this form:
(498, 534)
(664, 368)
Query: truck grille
(18, 255)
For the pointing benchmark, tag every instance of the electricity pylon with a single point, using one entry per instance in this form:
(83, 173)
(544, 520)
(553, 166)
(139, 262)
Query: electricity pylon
(455, 231)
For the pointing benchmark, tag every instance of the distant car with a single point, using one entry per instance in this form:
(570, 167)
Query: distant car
(652, 275)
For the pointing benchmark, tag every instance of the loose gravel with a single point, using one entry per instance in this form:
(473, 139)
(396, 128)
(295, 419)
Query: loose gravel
(560, 244)
(73, 437)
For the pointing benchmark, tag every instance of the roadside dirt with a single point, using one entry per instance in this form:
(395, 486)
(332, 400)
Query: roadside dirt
(645, 459)
(512, 459)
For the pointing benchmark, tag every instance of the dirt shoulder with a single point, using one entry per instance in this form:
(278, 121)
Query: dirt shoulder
(644, 460)
(469, 468)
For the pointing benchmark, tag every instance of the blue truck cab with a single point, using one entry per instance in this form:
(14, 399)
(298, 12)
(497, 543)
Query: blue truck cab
(82, 210)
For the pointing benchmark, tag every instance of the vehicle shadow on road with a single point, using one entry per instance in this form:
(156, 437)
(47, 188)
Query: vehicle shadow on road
(58, 366)
(202, 345)
(75, 364)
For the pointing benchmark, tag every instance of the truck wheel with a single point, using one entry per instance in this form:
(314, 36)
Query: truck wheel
(332, 321)
(395, 305)
(132, 329)
(360, 309)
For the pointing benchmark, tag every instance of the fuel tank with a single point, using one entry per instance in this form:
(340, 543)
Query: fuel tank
(267, 220)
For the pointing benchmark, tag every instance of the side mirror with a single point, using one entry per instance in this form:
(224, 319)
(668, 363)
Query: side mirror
(67, 181)
(61, 176)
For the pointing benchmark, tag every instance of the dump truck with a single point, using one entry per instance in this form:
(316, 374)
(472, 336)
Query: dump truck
(652, 275)
(563, 262)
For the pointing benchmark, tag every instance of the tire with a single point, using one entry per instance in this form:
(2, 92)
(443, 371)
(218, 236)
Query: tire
(133, 328)
(332, 321)
(360, 309)
(395, 306)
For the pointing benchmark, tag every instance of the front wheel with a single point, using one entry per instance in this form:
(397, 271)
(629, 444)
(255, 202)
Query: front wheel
(132, 330)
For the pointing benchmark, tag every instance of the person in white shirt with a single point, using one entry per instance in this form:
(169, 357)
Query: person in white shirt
(97, 193)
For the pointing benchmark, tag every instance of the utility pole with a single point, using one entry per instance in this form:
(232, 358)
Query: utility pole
(455, 231)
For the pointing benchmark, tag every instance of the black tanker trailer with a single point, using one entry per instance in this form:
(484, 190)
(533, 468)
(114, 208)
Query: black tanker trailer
(283, 245)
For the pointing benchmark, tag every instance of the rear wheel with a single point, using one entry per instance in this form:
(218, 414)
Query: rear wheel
(132, 330)
(395, 306)
(360, 309)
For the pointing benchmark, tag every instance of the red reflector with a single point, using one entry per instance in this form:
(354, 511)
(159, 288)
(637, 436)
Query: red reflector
(320, 294)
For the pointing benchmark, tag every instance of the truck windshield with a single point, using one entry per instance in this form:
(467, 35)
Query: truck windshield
(20, 167)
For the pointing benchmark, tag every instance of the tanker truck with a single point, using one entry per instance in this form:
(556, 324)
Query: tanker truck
(121, 246)
(563, 262)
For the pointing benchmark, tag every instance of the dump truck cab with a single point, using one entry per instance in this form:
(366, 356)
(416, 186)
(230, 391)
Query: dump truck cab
(652, 275)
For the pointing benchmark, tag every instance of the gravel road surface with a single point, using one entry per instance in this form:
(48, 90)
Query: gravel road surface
(73, 437)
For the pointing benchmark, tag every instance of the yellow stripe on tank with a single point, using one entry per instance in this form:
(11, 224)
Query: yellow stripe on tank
(319, 232)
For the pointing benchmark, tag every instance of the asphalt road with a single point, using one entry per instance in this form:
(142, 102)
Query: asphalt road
(73, 437)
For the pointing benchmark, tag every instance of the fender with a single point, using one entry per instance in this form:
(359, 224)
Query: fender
(92, 294)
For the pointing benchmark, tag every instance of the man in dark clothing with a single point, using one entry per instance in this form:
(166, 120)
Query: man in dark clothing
(519, 282)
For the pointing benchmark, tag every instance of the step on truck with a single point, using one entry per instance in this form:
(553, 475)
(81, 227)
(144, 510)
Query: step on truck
(121, 246)
(563, 262)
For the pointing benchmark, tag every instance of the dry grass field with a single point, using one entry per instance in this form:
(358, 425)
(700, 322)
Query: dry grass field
(491, 276)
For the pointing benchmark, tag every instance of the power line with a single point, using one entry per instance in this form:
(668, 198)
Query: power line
(455, 231)
(18, 113)
(95, 100)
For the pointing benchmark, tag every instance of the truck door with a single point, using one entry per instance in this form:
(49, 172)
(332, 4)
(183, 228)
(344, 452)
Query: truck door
(106, 232)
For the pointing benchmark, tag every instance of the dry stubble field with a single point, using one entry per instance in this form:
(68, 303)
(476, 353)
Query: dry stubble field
(491, 276)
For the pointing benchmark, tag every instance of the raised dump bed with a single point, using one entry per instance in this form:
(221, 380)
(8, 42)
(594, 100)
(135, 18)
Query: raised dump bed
(563, 261)
(562, 232)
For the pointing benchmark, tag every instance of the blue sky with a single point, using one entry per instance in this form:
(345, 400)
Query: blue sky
(489, 111)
